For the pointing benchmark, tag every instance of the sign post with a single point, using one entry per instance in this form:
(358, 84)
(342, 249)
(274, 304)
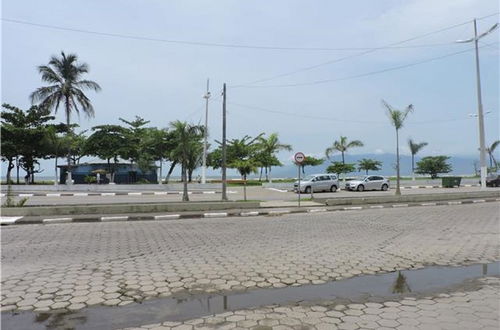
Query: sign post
(299, 159)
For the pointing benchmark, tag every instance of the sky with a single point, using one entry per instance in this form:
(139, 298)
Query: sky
(165, 81)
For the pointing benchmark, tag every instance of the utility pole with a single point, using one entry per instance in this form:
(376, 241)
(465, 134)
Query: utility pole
(480, 115)
(482, 150)
(224, 183)
(204, 166)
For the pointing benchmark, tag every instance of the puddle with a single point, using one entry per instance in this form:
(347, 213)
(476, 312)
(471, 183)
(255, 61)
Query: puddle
(421, 281)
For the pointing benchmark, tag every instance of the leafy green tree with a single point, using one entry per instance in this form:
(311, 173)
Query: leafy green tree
(491, 152)
(433, 165)
(155, 145)
(397, 118)
(186, 138)
(25, 133)
(245, 148)
(66, 88)
(414, 149)
(245, 167)
(342, 146)
(107, 142)
(268, 147)
(340, 168)
(366, 164)
(135, 134)
(310, 161)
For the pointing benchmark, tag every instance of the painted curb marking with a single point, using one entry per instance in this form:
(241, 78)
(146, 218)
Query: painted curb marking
(478, 201)
(9, 220)
(215, 215)
(116, 218)
(249, 214)
(454, 203)
(316, 210)
(108, 194)
(134, 193)
(57, 220)
(279, 212)
(377, 206)
(167, 217)
(400, 205)
(353, 208)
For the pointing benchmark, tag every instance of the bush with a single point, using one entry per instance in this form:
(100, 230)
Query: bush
(90, 179)
(142, 181)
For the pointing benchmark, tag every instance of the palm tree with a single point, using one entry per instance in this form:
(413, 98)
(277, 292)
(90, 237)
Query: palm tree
(269, 147)
(342, 146)
(491, 151)
(414, 149)
(397, 118)
(65, 88)
(187, 139)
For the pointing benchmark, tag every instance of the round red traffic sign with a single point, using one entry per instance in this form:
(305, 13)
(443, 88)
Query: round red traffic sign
(299, 157)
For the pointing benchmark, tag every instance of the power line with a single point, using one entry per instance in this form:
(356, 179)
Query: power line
(227, 45)
(308, 68)
(324, 81)
(211, 44)
(450, 120)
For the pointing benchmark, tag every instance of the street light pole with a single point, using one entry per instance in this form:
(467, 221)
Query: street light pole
(480, 116)
(482, 150)
(224, 183)
(205, 136)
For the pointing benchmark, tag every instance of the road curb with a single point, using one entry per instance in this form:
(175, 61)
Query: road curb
(124, 193)
(4, 221)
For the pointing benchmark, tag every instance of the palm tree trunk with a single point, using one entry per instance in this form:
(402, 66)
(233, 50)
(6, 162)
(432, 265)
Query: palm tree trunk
(270, 178)
(245, 187)
(343, 160)
(170, 170)
(267, 176)
(17, 169)
(398, 189)
(161, 169)
(260, 176)
(55, 171)
(185, 195)
(68, 177)
(413, 166)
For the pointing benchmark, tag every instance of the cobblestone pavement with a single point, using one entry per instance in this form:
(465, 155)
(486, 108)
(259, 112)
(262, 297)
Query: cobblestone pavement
(477, 309)
(71, 266)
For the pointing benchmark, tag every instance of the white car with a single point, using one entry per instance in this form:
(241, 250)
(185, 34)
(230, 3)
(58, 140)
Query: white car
(368, 182)
(317, 182)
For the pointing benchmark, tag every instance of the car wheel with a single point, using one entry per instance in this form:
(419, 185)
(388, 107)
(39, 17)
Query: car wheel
(308, 190)
(360, 188)
(333, 188)
(385, 187)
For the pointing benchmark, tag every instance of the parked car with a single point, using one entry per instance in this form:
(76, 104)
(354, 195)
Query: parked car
(368, 182)
(493, 180)
(317, 182)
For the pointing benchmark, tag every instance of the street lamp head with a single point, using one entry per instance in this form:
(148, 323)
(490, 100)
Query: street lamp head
(207, 95)
(464, 41)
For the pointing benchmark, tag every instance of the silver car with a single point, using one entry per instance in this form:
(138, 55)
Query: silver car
(317, 182)
(368, 182)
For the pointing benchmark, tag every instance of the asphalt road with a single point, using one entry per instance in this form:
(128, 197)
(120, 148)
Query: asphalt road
(253, 193)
